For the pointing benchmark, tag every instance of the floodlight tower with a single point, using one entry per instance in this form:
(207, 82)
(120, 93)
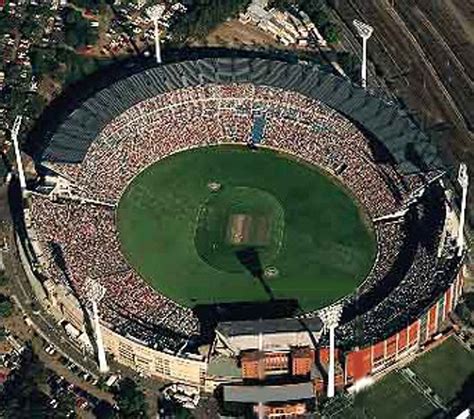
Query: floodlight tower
(463, 180)
(330, 317)
(155, 13)
(19, 163)
(365, 32)
(95, 292)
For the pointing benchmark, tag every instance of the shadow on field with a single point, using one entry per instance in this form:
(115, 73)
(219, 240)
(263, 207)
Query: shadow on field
(210, 315)
(250, 260)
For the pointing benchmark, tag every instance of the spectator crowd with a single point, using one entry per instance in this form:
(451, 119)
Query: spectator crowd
(86, 236)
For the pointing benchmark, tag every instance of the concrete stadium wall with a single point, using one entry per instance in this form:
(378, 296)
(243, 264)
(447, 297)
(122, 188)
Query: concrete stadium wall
(154, 363)
(384, 354)
(34, 282)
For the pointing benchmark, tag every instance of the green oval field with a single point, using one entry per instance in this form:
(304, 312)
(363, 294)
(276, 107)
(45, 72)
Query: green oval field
(210, 225)
(238, 221)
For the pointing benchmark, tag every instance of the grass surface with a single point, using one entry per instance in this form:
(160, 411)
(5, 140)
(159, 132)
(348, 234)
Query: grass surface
(393, 397)
(236, 219)
(445, 368)
(326, 247)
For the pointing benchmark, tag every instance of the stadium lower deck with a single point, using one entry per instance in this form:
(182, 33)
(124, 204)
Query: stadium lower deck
(77, 232)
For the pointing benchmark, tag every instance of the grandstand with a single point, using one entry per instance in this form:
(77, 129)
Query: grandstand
(368, 145)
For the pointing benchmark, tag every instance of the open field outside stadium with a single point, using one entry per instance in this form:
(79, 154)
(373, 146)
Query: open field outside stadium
(448, 372)
(446, 369)
(391, 398)
(202, 226)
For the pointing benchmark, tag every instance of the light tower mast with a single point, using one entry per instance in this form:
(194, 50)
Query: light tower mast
(16, 146)
(95, 292)
(365, 32)
(330, 317)
(463, 180)
(155, 13)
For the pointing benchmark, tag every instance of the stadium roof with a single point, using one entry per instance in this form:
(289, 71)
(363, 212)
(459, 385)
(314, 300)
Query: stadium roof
(269, 326)
(408, 145)
(266, 394)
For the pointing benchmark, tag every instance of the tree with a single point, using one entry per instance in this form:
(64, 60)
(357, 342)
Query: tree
(72, 38)
(89, 4)
(331, 33)
(182, 413)
(3, 334)
(6, 23)
(3, 277)
(3, 172)
(464, 398)
(13, 72)
(66, 405)
(104, 410)
(469, 300)
(204, 16)
(30, 27)
(320, 18)
(35, 105)
(130, 400)
(17, 100)
(349, 63)
(463, 312)
(79, 66)
(78, 31)
(6, 307)
(21, 397)
(43, 61)
(282, 4)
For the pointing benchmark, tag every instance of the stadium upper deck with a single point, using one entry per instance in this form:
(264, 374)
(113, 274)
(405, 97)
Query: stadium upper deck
(408, 146)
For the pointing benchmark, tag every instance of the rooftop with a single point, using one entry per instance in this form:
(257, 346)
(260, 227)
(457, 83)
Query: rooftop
(269, 326)
(265, 394)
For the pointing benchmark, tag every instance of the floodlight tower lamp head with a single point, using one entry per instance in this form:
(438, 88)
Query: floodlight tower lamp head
(365, 31)
(94, 290)
(463, 180)
(331, 315)
(463, 177)
(155, 12)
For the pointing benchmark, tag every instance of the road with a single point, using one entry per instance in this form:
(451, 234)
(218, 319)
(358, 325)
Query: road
(44, 325)
(47, 330)
(23, 295)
